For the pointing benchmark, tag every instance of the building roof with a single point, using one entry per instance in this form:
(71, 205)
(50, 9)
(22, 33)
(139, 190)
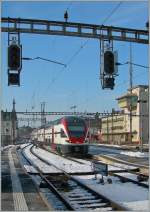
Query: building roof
(126, 96)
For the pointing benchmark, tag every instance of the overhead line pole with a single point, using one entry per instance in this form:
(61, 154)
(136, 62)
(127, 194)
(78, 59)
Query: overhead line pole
(131, 85)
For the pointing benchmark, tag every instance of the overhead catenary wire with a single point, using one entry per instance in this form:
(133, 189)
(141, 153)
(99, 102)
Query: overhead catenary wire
(126, 81)
(38, 84)
(120, 64)
(53, 80)
(83, 45)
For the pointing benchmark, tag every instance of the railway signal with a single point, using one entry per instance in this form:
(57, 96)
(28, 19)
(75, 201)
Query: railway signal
(14, 57)
(109, 82)
(109, 62)
(109, 67)
(14, 63)
(14, 79)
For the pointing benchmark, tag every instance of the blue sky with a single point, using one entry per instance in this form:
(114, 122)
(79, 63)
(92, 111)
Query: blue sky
(79, 83)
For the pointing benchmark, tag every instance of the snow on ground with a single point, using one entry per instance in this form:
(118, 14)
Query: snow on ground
(125, 193)
(5, 147)
(135, 154)
(62, 163)
(107, 145)
(131, 176)
(68, 165)
(44, 167)
(128, 194)
(107, 148)
(24, 145)
(119, 166)
(115, 166)
(73, 167)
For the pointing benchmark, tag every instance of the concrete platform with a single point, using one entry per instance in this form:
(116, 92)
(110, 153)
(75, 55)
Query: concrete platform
(19, 193)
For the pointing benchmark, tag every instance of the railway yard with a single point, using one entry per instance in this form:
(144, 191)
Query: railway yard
(75, 106)
(40, 180)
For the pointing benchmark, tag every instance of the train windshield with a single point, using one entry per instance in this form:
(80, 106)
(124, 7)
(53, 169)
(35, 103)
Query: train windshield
(76, 127)
(76, 131)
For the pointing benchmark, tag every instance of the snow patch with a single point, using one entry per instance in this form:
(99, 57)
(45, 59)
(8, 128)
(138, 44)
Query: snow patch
(134, 154)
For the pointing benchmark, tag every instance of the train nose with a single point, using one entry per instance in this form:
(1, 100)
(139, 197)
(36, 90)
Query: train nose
(76, 140)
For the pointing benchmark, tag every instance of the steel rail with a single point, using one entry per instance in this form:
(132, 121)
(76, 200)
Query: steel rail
(142, 168)
(49, 184)
(124, 178)
(112, 203)
(74, 29)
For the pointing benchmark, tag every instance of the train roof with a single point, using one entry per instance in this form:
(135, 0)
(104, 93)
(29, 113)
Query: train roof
(58, 121)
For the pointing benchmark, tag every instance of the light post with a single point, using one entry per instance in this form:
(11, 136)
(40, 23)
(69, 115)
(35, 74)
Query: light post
(141, 122)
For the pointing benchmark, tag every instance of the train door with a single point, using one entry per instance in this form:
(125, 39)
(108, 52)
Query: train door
(53, 145)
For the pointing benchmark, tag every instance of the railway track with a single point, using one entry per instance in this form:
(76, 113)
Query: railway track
(74, 194)
(127, 175)
(111, 160)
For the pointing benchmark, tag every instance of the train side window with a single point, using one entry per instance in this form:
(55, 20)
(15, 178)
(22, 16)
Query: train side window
(62, 134)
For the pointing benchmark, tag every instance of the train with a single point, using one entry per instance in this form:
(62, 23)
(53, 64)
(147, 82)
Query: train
(67, 135)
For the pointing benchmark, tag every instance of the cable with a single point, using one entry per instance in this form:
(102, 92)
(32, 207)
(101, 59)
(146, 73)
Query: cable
(139, 65)
(126, 81)
(49, 61)
(84, 44)
(112, 12)
(121, 64)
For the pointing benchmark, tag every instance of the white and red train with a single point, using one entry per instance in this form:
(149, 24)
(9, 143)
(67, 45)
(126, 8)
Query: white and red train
(66, 135)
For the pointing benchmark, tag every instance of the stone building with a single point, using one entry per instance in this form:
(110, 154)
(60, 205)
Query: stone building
(9, 127)
(117, 129)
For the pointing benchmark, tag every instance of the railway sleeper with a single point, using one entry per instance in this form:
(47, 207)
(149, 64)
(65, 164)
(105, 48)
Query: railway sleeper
(90, 201)
(80, 196)
(85, 199)
(93, 205)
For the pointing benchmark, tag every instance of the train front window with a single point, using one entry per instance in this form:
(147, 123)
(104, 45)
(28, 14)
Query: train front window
(76, 131)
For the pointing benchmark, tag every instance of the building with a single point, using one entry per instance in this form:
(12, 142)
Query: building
(94, 125)
(9, 127)
(116, 129)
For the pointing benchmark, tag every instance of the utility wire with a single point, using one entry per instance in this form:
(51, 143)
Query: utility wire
(120, 64)
(84, 44)
(139, 65)
(38, 84)
(41, 58)
(126, 81)
(112, 12)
